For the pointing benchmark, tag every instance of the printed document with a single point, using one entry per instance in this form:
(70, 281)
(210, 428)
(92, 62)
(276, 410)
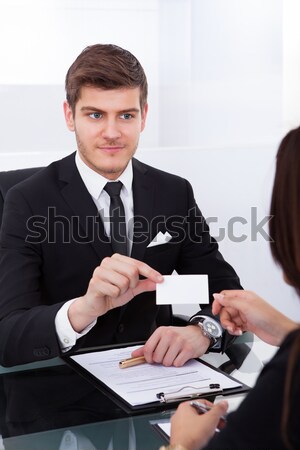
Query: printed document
(139, 385)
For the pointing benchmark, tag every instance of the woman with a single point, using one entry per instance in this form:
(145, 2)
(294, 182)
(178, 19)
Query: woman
(269, 417)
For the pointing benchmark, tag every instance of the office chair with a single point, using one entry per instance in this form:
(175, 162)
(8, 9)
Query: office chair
(9, 178)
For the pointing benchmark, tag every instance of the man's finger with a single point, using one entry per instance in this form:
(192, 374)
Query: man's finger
(138, 352)
(142, 267)
(144, 286)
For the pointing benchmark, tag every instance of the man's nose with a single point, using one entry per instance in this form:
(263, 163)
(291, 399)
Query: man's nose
(111, 130)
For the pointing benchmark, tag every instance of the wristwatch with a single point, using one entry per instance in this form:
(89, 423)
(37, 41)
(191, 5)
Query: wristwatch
(210, 328)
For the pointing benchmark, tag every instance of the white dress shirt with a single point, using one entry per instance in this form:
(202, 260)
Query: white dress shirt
(95, 183)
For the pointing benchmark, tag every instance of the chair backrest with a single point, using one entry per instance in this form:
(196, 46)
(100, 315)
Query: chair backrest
(9, 179)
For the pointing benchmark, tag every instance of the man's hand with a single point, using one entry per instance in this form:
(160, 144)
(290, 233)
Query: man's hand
(114, 283)
(245, 311)
(174, 346)
(193, 431)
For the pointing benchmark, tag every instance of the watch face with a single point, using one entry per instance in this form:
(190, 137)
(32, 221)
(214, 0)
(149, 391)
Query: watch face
(212, 328)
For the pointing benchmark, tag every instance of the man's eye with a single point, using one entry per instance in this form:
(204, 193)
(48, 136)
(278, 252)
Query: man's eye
(95, 115)
(126, 116)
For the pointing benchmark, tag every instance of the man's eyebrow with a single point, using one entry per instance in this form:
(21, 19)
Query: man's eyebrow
(90, 108)
(130, 110)
(94, 109)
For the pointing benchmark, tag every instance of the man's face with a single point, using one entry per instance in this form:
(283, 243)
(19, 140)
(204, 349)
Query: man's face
(107, 124)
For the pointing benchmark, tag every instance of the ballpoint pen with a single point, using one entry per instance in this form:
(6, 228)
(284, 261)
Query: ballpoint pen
(129, 362)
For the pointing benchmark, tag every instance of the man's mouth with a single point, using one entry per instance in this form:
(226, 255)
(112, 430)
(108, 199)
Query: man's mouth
(111, 148)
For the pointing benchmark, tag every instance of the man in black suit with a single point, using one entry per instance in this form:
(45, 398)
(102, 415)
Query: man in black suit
(62, 286)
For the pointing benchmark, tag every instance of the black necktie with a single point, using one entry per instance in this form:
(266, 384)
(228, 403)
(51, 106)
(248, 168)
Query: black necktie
(118, 235)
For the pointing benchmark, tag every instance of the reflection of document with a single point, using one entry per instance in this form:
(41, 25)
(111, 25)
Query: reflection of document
(163, 427)
(139, 385)
(166, 427)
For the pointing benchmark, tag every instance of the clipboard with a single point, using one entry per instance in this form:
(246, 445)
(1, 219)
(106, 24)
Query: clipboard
(73, 360)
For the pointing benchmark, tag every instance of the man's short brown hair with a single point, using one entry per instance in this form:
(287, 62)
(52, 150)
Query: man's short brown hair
(105, 66)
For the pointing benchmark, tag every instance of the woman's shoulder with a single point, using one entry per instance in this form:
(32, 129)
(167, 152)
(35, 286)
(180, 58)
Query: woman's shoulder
(289, 352)
(289, 348)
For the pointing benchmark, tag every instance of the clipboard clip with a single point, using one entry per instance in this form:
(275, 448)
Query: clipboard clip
(190, 393)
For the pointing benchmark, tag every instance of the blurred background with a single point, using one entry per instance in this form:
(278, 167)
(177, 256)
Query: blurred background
(223, 90)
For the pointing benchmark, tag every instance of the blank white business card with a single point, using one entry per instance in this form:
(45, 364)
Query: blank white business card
(182, 289)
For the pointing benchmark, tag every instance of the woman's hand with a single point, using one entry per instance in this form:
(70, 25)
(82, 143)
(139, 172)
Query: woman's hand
(245, 311)
(193, 430)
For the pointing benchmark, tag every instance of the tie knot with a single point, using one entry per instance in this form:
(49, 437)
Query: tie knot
(113, 188)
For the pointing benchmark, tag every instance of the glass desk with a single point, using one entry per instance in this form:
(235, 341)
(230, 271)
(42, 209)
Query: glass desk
(48, 406)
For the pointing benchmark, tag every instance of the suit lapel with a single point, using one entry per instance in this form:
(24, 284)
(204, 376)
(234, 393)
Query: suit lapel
(143, 198)
(85, 212)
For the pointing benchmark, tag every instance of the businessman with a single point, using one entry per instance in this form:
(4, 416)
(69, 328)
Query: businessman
(76, 266)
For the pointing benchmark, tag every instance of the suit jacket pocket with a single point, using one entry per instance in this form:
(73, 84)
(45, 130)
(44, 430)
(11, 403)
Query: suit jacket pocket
(163, 257)
(159, 249)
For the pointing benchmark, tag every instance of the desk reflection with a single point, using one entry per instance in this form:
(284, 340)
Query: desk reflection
(55, 408)
(60, 400)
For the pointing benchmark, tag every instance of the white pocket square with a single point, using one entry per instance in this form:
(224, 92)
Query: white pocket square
(160, 238)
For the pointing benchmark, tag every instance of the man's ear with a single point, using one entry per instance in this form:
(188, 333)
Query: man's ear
(69, 116)
(144, 115)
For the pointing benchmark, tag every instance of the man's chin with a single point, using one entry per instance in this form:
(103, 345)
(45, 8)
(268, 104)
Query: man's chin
(111, 172)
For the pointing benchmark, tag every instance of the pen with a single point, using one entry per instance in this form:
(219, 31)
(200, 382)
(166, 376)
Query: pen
(131, 362)
(202, 408)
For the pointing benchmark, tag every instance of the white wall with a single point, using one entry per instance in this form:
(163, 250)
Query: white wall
(291, 64)
(220, 98)
(229, 183)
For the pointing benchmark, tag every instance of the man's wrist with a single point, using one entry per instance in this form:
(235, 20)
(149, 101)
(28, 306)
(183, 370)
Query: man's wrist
(211, 329)
(78, 316)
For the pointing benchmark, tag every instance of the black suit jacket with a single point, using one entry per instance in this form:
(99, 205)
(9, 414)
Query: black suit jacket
(52, 240)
